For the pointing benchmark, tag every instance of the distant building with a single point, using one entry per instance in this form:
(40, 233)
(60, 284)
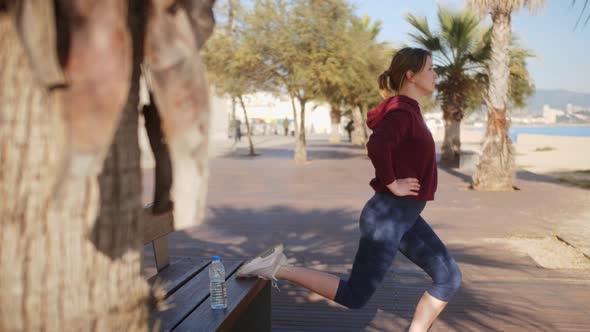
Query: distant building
(266, 113)
(550, 114)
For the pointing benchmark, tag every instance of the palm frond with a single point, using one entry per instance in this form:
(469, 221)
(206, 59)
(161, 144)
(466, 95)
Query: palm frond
(421, 24)
(460, 30)
(431, 44)
(426, 37)
(442, 70)
(483, 50)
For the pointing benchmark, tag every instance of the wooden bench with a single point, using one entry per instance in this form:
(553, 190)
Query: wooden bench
(185, 281)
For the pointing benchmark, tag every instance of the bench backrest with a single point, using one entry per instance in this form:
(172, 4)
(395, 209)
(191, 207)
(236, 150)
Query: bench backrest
(155, 229)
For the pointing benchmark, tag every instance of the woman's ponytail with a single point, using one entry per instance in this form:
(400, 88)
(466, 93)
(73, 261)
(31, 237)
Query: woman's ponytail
(385, 85)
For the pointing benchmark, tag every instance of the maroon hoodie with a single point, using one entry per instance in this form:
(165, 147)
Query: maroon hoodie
(401, 146)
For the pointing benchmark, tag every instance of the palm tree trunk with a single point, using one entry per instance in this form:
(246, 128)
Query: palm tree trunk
(252, 153)
(451, 148)
(495, 171)
(358, 134)
(67, 263)
(335, 115)
(300, 150)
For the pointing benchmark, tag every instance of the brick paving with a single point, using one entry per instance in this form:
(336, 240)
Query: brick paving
(254, 202)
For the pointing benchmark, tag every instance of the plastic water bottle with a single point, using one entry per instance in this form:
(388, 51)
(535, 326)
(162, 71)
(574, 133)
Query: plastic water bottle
(217, 291)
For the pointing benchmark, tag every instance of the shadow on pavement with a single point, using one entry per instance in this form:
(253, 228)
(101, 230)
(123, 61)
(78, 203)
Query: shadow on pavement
(521, 175)
(326, 239)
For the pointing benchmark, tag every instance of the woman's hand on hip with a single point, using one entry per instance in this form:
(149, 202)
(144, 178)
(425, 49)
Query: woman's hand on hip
(405, 187)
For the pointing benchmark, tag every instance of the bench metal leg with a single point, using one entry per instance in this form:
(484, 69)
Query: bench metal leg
(257, 316)
(161, 252)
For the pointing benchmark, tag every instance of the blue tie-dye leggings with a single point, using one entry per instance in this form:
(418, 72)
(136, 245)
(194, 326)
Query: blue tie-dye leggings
(388, 224)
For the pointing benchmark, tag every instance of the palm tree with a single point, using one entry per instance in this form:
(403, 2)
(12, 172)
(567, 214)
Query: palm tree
(458, 52)
(496, 167)
(71, 249)
(57, 225)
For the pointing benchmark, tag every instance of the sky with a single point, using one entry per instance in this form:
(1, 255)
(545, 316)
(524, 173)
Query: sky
(563, 53)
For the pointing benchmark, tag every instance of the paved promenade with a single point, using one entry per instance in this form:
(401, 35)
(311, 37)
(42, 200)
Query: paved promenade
(314, 210)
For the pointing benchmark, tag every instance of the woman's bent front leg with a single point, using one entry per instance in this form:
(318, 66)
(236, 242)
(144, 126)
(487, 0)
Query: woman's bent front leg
(423, 247)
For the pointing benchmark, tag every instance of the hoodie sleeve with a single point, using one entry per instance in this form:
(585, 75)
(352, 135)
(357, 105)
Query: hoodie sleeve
(392, 130)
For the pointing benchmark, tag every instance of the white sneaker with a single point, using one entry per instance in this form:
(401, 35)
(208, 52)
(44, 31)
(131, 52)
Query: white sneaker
(266, 265)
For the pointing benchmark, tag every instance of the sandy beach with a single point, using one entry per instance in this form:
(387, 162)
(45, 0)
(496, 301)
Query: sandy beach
(563, 157)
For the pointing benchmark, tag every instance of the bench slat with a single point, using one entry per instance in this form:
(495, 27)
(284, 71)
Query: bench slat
(177, 273)
(190, 295)
(240, 294)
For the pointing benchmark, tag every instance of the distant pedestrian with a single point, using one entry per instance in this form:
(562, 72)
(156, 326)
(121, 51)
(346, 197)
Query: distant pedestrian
(286, 126)
(237, 131)
(402, 152)
(349, 128)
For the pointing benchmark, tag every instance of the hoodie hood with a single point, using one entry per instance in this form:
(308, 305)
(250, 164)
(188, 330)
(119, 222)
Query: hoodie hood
(377, 114)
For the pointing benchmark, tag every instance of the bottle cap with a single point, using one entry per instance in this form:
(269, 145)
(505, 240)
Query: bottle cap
(215, 258)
